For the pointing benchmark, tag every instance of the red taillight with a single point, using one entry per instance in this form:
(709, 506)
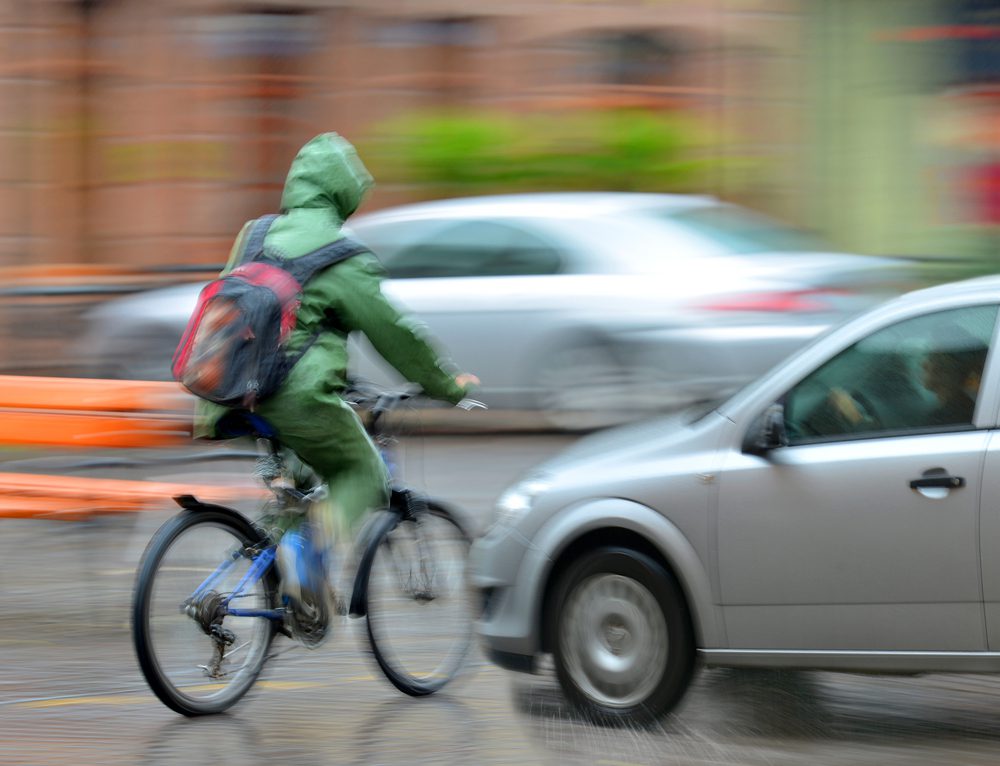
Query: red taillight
(782, 301)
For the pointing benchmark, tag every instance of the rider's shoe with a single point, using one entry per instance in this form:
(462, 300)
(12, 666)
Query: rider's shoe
(293, 562)
(304, 589)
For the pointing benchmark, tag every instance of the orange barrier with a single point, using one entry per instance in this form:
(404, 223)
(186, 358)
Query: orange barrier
(80, 412)
(77, 412)
(25, 496)
(21, 391)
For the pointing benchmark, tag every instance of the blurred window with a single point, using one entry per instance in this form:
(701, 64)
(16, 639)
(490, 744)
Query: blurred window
(449, 32)
(641, 57)
(742, 232)
(635, 57)
(474, 249)
(437, 60)
(919, 375)
(279, 34)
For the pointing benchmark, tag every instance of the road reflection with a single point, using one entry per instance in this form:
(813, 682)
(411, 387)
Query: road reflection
(738, 716)
(440, 727)
(215, 739)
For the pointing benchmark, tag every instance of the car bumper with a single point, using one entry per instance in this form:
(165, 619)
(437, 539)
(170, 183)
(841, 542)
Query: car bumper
(502, 569)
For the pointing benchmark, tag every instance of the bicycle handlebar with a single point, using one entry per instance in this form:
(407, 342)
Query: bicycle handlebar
(379, 401)
(376, 400)
(371, 397)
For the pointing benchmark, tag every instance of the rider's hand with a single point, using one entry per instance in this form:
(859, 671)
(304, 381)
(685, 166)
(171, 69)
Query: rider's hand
(468, 382)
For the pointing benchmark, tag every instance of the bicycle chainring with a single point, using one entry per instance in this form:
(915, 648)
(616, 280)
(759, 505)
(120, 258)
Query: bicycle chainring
(309, 619)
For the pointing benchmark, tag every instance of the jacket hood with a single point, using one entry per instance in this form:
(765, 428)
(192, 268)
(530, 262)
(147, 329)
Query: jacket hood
(327, 173)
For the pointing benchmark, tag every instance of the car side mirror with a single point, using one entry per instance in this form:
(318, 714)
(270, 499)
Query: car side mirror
(767, 432)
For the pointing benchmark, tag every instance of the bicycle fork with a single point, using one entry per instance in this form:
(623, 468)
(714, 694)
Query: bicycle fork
(404, 506)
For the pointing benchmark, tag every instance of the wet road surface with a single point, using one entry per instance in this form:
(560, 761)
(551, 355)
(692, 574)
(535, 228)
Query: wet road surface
(71, 693)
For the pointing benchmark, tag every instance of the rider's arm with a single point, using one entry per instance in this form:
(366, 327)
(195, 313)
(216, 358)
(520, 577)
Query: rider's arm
(353, 290)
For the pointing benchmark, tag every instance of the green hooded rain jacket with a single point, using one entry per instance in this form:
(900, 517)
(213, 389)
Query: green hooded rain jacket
(326, 183)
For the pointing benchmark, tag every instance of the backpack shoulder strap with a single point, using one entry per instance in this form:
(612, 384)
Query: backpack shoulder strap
(305, 266)
(254, 248)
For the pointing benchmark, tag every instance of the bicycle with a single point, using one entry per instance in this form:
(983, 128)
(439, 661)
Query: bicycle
(203, 629)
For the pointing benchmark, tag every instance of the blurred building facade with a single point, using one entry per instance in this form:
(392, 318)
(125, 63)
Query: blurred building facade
(144, 132)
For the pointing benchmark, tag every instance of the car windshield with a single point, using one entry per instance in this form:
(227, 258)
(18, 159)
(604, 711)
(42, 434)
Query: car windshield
(740, 232)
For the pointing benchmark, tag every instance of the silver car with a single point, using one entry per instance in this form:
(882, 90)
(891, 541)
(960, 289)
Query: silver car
(839, 513)
(588, 307)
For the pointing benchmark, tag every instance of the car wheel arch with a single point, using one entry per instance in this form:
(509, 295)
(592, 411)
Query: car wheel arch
(631, 525)
(570, 336)
(555, 380)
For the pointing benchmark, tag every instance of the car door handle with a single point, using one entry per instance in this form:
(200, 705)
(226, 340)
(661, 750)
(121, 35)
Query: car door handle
(943, 482)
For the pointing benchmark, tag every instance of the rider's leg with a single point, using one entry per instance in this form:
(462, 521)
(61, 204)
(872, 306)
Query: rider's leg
(357, 481)
(314, 422)
(328, 435)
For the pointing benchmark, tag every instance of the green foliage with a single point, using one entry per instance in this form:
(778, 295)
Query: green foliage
(467, 152)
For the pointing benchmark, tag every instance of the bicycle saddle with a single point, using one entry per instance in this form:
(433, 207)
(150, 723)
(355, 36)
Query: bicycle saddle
(237, 423)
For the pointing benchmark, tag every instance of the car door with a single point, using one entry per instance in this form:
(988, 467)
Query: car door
(862, 533)
(483, 287)
(990, 538)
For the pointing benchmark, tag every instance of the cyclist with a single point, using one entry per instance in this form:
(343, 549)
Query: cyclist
(325, 185)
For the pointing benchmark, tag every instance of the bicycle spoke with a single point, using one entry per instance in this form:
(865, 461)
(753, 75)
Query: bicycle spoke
(419, 608)
(184, 569)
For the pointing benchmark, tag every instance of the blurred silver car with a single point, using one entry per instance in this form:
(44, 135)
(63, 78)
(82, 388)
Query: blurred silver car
(839, 513)
(590, 307)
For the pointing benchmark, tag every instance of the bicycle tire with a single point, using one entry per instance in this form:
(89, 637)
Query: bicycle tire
(403, 611)
(164, 568)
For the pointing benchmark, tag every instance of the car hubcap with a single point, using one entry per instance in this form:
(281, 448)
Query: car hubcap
(614, 640)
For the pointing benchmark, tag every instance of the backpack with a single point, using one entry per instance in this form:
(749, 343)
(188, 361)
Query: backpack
(233, 351)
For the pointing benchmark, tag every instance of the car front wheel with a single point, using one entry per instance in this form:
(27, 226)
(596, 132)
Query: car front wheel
(624, 647)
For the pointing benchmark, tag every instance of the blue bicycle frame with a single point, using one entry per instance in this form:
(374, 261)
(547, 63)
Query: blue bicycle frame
(263, 560)
(258, 567)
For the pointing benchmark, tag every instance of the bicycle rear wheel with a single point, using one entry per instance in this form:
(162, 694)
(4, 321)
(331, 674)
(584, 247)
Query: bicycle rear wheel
(197, 658)
(419, 608)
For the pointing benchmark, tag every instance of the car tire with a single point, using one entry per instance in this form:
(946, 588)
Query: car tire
(622, 637)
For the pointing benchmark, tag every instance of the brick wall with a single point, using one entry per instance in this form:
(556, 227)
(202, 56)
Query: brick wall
(145, 132)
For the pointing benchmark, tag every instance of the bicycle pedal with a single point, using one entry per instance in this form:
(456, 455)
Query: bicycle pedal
(340, 608)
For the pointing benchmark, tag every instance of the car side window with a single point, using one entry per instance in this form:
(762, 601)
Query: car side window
(388, 238)
(919, 375)
(475, 249)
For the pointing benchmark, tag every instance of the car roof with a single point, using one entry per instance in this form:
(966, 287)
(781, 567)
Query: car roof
(987, 287)
(541, 204)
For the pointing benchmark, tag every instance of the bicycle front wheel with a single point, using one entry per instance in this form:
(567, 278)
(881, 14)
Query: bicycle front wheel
(196, 656)
(419, 608)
